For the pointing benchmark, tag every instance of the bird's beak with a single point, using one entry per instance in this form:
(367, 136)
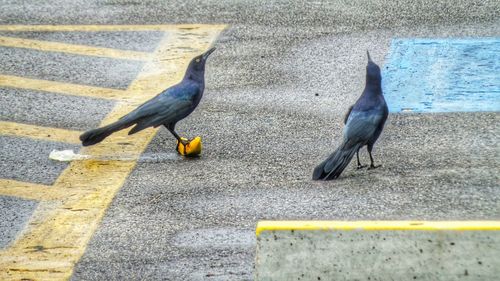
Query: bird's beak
(207, 53)
(368, 54)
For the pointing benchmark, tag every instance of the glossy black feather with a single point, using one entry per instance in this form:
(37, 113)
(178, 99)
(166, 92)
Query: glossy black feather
(364, 123)
(167, 108)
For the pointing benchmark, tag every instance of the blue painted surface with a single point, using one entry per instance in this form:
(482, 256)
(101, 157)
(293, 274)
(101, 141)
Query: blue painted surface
(442, 75)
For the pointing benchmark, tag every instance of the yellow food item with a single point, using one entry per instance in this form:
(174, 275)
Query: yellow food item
(192, 148)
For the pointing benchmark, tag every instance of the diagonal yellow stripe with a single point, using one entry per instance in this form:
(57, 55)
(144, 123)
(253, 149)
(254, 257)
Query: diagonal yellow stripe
(11, 81)
(39, 132)
(48, 46)
(61, 237)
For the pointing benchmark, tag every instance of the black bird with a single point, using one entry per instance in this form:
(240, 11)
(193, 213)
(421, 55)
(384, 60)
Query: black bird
(363, 125)
(167, 108)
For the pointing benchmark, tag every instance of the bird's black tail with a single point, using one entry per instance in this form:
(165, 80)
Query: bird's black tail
(94, 136)
(333, 166)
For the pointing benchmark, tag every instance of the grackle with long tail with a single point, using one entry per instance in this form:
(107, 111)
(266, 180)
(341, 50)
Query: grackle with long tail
(167, 108)
(363, 125)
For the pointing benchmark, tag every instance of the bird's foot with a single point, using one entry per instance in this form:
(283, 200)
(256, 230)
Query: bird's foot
(374, 167)
(183, 142)
(189, 148)
(361, 166)
(184, 147)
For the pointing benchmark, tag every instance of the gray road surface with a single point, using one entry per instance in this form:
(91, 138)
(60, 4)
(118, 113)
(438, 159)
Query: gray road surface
(277, 88)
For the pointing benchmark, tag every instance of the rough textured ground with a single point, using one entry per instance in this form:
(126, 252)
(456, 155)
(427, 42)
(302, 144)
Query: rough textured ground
(277, 88)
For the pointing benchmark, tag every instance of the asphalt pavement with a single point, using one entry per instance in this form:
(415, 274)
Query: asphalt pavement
(277, 88)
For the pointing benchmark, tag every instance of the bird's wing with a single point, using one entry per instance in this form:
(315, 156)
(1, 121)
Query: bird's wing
(170, 99)
(171, 114)
(361, 125)
(161, 100)
(170, 106)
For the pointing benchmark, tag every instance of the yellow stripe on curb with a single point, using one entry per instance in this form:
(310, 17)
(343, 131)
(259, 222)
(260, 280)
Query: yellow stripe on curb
(18, 82)
(38, 132)
(377, 225)
(57, 238)
(48, 46)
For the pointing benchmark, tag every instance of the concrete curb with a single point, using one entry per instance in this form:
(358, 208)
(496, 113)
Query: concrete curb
(378, 250)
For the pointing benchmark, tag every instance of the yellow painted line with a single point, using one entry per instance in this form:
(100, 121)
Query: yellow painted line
(93, 28)
(48, 46)
(377, 225)
(49, 248)
(33, 191)
(25, 190)
(18, 82)
(38, 132)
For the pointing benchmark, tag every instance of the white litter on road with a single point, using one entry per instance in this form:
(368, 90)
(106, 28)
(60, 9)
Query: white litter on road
(66, 155)
(69, 155)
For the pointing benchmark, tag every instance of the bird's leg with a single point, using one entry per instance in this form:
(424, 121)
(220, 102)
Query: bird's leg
(179, 139)
(359, 163)
(372, 166)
